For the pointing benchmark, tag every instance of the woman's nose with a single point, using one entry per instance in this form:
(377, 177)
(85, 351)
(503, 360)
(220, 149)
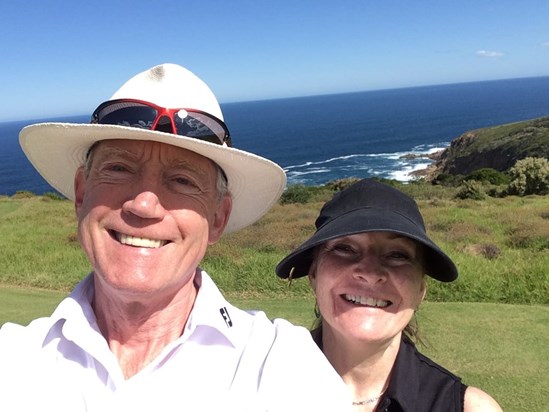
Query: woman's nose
(369, 269)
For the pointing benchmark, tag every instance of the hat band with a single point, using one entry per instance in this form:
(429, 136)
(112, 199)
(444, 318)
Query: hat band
(181, 121)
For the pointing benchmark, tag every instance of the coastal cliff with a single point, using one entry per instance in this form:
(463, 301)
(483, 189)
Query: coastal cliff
(497, 147)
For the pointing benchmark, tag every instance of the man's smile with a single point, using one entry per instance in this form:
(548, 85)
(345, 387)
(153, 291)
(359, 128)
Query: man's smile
(139, 241)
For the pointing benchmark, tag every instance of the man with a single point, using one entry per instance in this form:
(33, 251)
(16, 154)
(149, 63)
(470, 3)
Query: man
(155, 181)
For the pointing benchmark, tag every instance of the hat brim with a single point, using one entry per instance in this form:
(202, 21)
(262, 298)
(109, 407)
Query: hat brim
(437, 264)
(56, 150)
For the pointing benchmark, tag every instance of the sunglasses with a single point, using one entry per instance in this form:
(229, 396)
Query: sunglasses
(144, 115)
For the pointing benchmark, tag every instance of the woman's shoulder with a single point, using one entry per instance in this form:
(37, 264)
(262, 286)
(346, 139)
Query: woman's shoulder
(478, 400)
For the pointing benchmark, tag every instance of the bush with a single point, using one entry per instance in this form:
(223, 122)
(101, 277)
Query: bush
(490, 251)
(53, 196)
(23, 194)
(446, 179)
(529, 176)
(298, 194)
(471, 189)
(340, 184)
(489, 175)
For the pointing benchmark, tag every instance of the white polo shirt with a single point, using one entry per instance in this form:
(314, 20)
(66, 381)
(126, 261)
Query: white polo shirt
(225, 360)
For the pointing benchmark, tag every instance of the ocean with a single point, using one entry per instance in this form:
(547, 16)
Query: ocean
(318, 139)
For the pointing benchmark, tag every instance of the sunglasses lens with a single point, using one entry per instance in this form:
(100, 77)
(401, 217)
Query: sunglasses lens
(131, 114)
(200, 126)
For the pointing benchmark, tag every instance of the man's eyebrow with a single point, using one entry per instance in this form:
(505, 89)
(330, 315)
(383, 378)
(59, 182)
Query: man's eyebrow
(182, 164)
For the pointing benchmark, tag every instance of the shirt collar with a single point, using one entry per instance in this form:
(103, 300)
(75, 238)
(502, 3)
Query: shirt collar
(78, 304)
(210, 310)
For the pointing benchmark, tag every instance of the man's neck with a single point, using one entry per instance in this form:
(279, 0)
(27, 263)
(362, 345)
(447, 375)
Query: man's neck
(138, 330)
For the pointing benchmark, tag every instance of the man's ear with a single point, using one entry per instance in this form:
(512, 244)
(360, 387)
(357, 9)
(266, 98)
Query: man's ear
(79, 188)
(220, 219)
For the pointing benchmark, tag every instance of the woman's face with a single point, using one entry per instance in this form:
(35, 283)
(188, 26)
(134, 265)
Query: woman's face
(368, 285)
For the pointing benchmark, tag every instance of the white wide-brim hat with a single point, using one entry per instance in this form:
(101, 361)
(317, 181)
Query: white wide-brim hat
(56, 150)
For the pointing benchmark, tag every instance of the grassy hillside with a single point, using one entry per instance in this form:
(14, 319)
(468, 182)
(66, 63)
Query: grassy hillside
(499, 245)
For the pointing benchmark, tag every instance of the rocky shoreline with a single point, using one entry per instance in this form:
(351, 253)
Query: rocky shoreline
(497, 147)
(430, 172)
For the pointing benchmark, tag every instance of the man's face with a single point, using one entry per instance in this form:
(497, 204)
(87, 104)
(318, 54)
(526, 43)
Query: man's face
(146, 214)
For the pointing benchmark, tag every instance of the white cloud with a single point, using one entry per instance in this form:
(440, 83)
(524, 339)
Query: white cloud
(489, 53)
(545, 44)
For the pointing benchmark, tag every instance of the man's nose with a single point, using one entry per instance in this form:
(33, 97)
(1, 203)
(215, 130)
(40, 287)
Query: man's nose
(144, 204)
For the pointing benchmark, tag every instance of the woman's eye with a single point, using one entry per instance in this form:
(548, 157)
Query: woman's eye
(399, 256)
(343, 249)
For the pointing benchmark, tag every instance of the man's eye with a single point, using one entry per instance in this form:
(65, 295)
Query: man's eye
(184, 184)
(113, 167)
(184, 181)
(117, 168)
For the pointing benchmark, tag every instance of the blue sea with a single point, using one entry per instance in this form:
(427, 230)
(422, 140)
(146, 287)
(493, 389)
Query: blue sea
(321, 138)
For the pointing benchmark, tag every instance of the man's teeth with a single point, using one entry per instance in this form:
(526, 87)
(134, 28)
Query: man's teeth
(362, 300)
(140, 241)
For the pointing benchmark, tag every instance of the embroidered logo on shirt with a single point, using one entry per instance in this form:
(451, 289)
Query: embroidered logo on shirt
(226, 317)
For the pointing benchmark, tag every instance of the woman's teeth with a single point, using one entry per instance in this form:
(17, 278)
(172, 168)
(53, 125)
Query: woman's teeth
(363, 300)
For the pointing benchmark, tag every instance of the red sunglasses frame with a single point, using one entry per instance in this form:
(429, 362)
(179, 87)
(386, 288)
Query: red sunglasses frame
(169, 113)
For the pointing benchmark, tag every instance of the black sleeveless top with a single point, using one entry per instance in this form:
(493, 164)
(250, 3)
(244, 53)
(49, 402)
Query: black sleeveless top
(418, 384)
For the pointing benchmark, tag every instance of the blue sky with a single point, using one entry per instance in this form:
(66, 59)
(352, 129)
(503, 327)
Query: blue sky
(65, 57)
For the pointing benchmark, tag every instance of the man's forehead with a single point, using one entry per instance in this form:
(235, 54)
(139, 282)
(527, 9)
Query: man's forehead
(137, 148)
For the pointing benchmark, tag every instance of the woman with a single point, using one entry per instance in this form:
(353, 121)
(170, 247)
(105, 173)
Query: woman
(366, 263)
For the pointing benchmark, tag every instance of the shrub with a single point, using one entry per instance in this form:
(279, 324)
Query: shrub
(52, 196)
(297, 194)
(446, 179)
(489, 251)
(489, 175)
(529, 176)
(497, 191)
(23, 194)
(529, 235)
(341, 184)
(471, 189)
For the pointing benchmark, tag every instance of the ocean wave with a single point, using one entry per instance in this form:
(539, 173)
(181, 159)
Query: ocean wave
(395, 165)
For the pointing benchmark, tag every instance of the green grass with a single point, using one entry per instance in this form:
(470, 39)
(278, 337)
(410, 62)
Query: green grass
(499, 245)
(21, 305)
(498, 347)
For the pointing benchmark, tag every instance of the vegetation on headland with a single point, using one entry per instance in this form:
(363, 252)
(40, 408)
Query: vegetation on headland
(499, 244)
(498, 148)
